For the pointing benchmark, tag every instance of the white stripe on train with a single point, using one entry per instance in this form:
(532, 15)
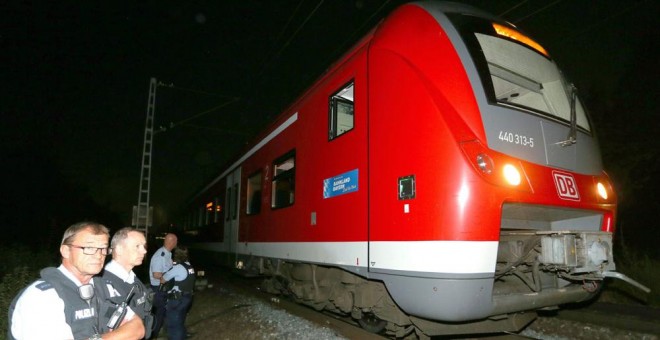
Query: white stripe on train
(461, 257)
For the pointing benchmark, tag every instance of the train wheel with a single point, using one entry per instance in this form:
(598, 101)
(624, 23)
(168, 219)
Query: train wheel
(371, 323)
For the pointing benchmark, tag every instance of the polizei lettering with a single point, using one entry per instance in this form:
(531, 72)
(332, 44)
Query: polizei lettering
(85, 313)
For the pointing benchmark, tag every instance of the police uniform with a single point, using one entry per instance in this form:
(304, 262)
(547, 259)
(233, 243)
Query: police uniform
(179, 299)
(52, 308)
(119, 284)
(161, 262)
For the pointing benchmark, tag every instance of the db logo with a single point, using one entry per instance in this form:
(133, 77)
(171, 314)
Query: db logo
(566, 186)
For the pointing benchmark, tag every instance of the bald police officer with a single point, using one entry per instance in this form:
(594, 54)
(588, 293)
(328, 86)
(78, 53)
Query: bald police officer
(161, 262)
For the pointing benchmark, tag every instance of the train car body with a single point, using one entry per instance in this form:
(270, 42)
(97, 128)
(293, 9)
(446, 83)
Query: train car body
(442, 176)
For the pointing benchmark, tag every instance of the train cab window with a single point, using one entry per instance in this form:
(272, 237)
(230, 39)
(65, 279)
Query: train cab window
(341, 114)
(518, 73)
(253, 197)
(283, 186)
(524, 77)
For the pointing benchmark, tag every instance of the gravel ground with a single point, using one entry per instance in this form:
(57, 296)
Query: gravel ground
(219, 312)
(549, 328)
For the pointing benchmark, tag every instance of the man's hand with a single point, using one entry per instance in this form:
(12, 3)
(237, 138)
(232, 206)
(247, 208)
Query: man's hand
(132, 329)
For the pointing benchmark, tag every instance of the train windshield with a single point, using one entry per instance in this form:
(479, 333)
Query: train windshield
(517, 72)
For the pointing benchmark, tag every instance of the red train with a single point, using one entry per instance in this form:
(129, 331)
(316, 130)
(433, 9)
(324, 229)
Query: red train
(442, 177)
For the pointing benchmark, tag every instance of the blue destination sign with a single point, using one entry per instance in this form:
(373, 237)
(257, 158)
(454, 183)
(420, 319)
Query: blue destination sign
(341, 184)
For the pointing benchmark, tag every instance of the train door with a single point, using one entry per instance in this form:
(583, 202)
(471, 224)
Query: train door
(393, 154)
(232, 194)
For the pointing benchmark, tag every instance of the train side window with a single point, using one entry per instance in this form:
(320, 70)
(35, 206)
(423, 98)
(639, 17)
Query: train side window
(228, 200)
(234, 202)
(253, 197)
(200, 216)
(208, 211)
(216, 210)
(341, 112)
(283, 186)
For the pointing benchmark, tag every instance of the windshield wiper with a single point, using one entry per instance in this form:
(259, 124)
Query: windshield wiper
(572, 133)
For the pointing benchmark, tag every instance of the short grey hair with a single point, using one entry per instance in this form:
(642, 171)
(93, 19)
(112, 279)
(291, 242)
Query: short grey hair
(71, 232)
(121, 235)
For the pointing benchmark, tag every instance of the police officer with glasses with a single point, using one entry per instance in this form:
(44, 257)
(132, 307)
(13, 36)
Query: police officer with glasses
(65, 303)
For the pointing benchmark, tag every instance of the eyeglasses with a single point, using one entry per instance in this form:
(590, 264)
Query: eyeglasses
(92, 250)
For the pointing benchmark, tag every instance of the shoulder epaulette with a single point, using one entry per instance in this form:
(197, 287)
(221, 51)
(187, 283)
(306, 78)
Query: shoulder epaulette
(44, 285)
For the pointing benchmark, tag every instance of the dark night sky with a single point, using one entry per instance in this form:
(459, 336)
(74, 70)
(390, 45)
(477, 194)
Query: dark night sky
(75, 81)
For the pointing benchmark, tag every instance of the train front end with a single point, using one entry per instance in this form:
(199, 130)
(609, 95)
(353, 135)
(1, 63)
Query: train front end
(502, 202)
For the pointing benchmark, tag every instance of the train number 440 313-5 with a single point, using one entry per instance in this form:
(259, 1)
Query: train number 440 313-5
(515, 138)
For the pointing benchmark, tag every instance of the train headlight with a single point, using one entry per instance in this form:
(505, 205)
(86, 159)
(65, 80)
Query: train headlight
(602, 192)
(511, 174)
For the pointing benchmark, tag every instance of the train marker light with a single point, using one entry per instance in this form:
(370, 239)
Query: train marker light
(511, 174)
(602, 192)
(485, 163)
(517, 36)
(608, 225)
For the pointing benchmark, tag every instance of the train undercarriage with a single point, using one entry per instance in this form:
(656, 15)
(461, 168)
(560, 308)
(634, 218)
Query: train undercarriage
(535, 270)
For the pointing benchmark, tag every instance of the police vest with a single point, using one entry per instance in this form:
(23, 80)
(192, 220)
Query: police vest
(140, 302)
(82, 316)
(188, 284)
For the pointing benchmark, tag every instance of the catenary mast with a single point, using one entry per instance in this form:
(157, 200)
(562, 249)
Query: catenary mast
(143, 212)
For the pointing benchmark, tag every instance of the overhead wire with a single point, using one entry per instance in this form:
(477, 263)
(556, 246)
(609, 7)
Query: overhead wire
(286, 44)
(333, 55)
(172, 86)
(266, 59)
(356, 31)
(591, 27)
(262, 70)
(512, 8)
(536, 12)
(197, 115)
(234, 132)
(342, 47)
(602, 21)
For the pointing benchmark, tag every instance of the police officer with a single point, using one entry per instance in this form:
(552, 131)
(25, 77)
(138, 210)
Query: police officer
(129, 246)
(65, 302)
(161, 262)
(179, 297)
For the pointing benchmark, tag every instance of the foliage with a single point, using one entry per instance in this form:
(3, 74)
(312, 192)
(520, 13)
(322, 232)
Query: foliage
(19, 267)
(626, 118)
(639, 267)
